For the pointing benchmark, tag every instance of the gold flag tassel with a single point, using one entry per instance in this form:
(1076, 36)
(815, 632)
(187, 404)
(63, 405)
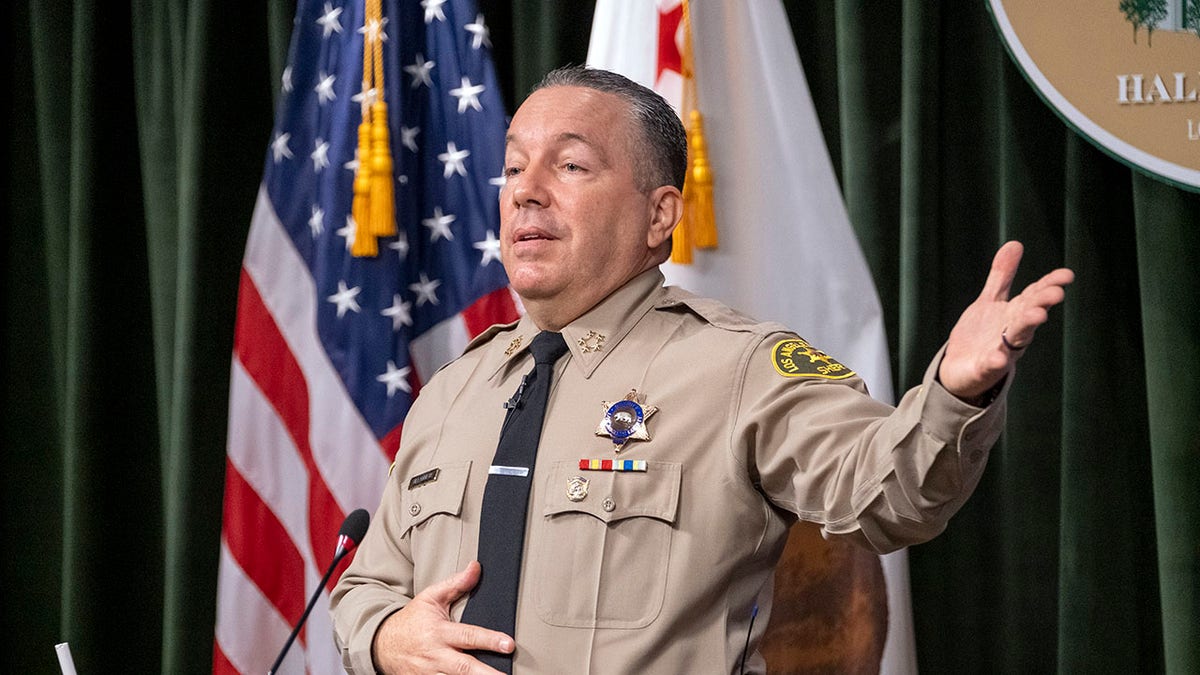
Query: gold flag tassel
(698, 226)
(364, 245)
(373, 208)
(383, 209)
(697, 189)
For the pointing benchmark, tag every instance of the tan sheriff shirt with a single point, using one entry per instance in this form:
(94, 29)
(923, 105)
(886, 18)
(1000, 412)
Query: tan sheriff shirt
(657, 571)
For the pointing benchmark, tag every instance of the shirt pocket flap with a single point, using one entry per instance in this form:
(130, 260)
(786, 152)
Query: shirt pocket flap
(612, 496)
(432, 491)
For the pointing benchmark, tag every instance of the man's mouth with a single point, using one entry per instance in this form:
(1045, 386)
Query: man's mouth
(531, 234)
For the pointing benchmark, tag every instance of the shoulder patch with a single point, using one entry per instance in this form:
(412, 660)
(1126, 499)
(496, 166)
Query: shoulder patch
(795, 357)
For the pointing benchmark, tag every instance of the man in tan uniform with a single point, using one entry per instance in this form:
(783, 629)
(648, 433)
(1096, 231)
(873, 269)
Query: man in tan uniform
(728, 430)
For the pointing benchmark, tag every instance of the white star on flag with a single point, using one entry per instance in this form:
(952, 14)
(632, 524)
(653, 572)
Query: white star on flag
(426, 290)
(316, 222)
(344, 299)
(320, 155)
(498, 181)
(490, 248)
(468, 95)
(279, 147)
(419, 71)
(480, 35)
(329, 20)
(352, 165)
(433, 10)
(366, 96)
(408, 137)
(400, 246)
(398, 313)
(348, 231)
(374, 30)
(395, 378)
(324, 89)
(439, 225)
(453, 159)
(287, 79)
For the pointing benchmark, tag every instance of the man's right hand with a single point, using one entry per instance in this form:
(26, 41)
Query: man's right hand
(422, 638)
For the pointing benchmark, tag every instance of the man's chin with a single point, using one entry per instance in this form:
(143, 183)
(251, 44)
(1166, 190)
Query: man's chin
(533, 289)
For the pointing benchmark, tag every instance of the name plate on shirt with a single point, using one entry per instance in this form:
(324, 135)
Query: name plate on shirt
(420, 479)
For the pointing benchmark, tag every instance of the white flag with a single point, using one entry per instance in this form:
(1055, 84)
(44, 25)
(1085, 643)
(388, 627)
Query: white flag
(787, 251)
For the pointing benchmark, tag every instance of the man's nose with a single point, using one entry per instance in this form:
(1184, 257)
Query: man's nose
(528, 188)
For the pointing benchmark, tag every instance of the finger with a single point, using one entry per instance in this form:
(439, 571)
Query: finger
(453, 587)
(1019, 331)
(1045, 297)
(1059, 277)
(465, 636)
(466, 664)
(1004, 269)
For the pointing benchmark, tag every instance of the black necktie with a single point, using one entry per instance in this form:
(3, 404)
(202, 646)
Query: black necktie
(506, 499)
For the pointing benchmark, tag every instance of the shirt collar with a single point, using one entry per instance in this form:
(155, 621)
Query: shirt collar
(594, 335)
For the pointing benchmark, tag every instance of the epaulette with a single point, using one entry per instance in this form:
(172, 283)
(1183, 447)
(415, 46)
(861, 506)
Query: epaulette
(479, 340)
(717, 313)
(489, 333)
(791, 355)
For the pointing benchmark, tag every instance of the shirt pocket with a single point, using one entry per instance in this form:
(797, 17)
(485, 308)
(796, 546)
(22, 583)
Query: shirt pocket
(600, 560)
(431, 520)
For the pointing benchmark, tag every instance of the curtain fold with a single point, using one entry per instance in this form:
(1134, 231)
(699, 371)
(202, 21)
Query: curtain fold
(1110, 598)
(1167, 223)
(31, 461)
(135, 151)
(95, 272)
(204, 82)
(168, 60)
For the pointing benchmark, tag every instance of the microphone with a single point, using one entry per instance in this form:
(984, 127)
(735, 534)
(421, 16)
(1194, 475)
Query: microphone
(516, 400)
(354, 527)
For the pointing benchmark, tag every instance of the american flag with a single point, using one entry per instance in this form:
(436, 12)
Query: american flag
(330, 349)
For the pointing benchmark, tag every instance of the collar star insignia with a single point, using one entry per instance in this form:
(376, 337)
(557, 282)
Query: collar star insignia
(514, 345)
(592, 342)
(625, 420)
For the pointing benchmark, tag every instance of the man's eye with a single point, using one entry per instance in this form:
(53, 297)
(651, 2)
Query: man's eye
(510, 171)
(572, 167)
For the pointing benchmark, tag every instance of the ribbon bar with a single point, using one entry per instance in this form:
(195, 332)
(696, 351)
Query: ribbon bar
(612, 465)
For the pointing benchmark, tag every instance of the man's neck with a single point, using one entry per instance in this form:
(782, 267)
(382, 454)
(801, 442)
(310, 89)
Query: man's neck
(553, 313)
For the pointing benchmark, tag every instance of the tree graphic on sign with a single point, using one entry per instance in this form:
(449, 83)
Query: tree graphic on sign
(1171, 15)
(1144, 14)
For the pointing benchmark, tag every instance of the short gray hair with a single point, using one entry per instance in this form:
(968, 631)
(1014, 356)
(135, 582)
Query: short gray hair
(662, 159)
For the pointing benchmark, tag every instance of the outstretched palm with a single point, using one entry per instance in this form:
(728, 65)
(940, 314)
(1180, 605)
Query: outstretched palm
(976, 356)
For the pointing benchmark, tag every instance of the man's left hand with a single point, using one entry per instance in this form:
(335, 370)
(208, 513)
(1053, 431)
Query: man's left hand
(994, 331)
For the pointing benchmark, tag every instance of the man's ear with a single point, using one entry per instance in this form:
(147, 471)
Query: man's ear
(666, 204)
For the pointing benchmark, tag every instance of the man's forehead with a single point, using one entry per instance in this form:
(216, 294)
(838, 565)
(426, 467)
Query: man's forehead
(561, 138)
(566, 114)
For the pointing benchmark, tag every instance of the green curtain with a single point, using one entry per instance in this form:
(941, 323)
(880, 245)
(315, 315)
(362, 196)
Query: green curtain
(135, 146)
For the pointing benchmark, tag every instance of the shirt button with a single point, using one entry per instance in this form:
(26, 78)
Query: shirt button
(608, 504)
(414, 509)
